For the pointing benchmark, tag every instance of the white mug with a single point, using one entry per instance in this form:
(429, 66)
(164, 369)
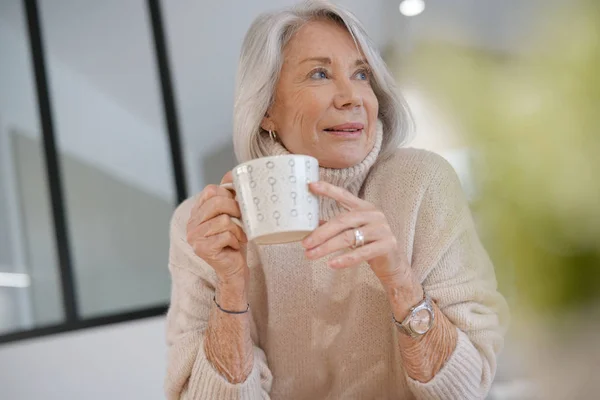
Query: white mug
(276, 203)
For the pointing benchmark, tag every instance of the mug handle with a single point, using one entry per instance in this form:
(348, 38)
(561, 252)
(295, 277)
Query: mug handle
(231, 188)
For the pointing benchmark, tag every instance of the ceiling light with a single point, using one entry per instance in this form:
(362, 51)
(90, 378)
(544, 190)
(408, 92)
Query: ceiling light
(411, 8)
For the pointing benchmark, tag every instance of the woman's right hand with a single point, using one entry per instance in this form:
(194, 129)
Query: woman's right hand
(214, 236)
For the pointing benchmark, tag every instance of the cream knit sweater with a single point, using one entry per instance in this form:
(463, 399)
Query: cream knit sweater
(327, 334)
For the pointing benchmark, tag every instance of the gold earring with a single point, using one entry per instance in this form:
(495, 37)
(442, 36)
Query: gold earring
(273, 135)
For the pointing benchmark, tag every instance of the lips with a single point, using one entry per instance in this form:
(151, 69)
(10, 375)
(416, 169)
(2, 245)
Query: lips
(350, 127)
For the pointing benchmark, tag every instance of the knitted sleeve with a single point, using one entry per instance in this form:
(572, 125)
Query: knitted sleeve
(190, 375)
(459, 276)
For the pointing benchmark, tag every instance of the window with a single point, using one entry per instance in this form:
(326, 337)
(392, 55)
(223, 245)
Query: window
(90, 165)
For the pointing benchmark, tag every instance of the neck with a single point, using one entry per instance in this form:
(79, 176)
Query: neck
(350, 178)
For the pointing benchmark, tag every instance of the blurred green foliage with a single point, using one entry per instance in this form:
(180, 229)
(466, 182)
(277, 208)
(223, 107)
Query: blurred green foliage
(532, 119)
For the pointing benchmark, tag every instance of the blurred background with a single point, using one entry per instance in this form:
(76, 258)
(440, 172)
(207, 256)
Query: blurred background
(112, 112)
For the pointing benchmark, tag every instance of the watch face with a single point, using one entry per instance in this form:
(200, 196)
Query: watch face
(420, 322)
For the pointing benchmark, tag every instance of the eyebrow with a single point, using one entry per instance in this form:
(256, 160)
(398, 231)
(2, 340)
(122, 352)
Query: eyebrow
(327, 60)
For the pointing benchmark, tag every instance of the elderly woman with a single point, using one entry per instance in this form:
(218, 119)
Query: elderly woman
(408, 310)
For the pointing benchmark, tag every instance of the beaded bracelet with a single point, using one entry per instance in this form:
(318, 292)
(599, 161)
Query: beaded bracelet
(230, 312)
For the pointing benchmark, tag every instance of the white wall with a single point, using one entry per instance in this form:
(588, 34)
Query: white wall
(123, 361)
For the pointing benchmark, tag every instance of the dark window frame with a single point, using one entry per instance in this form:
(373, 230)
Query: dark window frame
(73, 320)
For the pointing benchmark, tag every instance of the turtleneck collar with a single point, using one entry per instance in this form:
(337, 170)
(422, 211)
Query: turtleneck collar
(351, 178)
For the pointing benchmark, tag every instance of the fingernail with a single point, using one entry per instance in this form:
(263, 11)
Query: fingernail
(333, 263)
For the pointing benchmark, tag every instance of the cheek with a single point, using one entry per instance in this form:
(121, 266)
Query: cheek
(308, 106)
(371, 105)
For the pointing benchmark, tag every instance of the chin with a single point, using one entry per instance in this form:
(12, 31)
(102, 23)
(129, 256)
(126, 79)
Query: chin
(342, 160)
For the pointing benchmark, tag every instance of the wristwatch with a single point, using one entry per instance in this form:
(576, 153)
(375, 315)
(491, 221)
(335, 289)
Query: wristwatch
(419, 320)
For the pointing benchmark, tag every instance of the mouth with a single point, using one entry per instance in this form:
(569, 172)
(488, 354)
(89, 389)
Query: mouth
(350, 129)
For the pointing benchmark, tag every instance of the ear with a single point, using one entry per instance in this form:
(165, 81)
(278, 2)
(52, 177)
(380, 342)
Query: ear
(267, 123)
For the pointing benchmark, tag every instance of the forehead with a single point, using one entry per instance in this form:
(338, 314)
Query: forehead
(321, 39)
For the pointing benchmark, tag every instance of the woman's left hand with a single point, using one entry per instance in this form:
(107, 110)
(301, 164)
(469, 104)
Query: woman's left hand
(380, 250)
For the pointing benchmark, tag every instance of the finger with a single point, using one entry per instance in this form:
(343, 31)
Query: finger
(199, 212)
(219, 224)
(216, 206)
(361, 254)
(341, 195)
(227, 178)
(339, 224)
(346, 240)
(225, 239)
(209, 192)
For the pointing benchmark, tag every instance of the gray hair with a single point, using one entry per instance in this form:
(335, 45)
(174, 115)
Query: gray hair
(261, 60)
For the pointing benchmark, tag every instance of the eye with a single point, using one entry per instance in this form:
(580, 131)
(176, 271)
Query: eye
(363, 75)
(319, 74)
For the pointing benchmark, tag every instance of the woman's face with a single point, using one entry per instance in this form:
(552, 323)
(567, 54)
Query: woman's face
(324, 105)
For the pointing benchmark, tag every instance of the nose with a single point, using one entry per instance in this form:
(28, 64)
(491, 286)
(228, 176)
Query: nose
(347, 96)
